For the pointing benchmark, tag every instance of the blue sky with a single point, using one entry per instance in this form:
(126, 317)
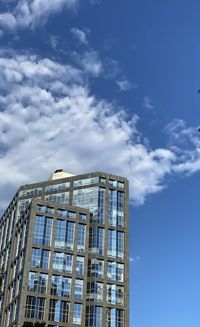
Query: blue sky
(112, 85)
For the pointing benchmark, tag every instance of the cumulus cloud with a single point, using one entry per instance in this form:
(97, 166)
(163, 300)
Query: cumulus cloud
(49, 119)
(80, 35)
(30, 13)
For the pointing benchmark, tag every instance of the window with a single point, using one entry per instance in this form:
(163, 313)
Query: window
(37, 282)
(56, 187)
(59, 197)
(31, 192)
(82, 216)
(45, 209)
(114, 318)
(81, 237)
(77, 313)
(64, 234)
(62, 213)
(59, 311)
(61, 286)
(96, 240)
(116, 244)
(78, 292)
(42, 230)
(95, 291)
(62, 262)
(39, 258)
(86, 181)
(95, 268)
(80, 266)
(91, 199)
(93, 316)
(115, 294)
(115, 271)
(116, 208)
(34, 307)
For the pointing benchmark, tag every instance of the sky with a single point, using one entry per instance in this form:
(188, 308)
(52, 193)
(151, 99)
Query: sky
(111, 85)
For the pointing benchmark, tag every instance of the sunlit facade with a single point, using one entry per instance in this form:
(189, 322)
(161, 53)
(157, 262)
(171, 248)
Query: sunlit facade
(64, 255)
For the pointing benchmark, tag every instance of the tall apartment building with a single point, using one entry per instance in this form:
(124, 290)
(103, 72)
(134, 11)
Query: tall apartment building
(64, 258)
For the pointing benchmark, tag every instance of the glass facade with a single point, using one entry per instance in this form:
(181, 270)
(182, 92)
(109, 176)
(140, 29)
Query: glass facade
(40, 258)
(96, 240)
(91, 199)
(37, 282)
(58, 197)
(76, 258)
(115, 317)
(95, 291)
(115, 294)
(95, 268)
(62, 262)
(34, 307)
(78, 290)
(61, 286)
(77, 313)
(115, 271)
(116, 208)
(81, 237)
(42, 230)
(80, 263)
(115, 244)
(64, 234)
(93, 316)
(59, 311)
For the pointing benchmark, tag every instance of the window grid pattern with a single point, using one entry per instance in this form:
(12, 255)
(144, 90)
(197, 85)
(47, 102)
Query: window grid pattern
(78, 290)
(61, 286)
(34, 307)
(81, 237)
(116, 208)
(59, 311)
(93, 316)
(94, 291)
(116, 244)
(115, 294)
(62, 262)
(115, 271)
(42, 230)
(37, 282)
(40, 258)
(96, 240)
(64, 234)
(77, 313)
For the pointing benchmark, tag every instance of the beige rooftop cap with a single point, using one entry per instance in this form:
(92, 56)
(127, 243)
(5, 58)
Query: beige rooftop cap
(59, 173)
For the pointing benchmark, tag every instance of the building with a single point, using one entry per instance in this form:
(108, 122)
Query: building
(64, 253)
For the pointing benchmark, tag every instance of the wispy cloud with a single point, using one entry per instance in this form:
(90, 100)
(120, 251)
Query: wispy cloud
(80, 35)
(30, 13)
(147, 103)
(90, 62)
(125, 85)
(48, 115)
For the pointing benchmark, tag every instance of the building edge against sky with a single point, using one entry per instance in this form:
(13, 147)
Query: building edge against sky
(64, 252)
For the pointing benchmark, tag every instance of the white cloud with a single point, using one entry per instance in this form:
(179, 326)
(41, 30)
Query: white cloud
(80, 35)
(49, 119)
(90, 62)
(30, 13)
(125, 85)
(147, 104)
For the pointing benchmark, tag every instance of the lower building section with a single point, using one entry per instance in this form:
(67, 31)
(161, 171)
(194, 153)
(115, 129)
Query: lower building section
(58, 274)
